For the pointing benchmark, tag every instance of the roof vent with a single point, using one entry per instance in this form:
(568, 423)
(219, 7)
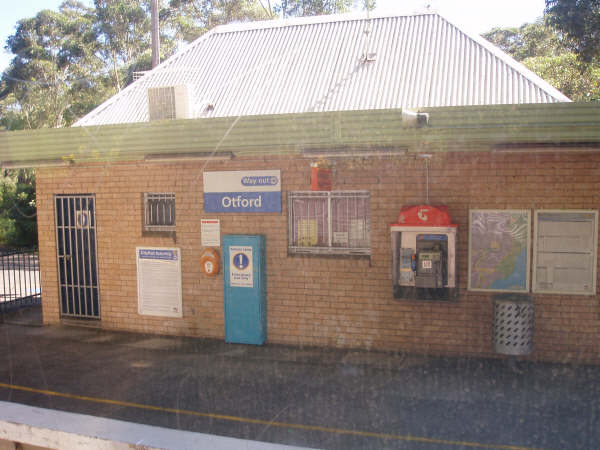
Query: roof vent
(169, 102)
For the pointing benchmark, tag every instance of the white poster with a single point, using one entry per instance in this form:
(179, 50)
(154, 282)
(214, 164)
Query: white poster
(210, 230)
(159, 281)
(240, 266)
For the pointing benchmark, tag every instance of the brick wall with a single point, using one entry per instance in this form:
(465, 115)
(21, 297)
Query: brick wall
(332, 301)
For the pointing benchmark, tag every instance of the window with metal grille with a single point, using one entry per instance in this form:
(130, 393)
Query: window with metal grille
(332, 222)
(159, 211)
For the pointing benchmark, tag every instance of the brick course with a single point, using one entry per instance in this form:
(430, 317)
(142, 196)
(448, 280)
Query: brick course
(331, 301)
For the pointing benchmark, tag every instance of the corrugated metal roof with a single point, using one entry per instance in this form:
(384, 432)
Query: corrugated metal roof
(315, 64)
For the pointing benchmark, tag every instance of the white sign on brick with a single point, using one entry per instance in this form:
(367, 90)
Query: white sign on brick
(159, 281)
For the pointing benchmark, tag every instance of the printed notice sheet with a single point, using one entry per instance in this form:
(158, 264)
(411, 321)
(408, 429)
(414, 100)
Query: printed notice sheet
(210, 231)
(159, 281)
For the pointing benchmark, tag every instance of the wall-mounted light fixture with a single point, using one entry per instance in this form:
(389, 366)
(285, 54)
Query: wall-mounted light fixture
(200, 156)
(411, 119)
(354, 153)
(35, 163)
(567, 147)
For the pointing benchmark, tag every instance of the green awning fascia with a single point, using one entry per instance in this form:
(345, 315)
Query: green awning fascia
(464, 128)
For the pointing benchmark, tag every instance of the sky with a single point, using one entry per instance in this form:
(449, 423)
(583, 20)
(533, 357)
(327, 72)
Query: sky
(476, 16)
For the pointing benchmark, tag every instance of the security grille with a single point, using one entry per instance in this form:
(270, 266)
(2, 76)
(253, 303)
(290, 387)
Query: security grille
(76, 255)
(336, 222)
(159, 211)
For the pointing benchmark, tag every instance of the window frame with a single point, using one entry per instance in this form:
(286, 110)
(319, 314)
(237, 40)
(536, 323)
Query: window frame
(329, 249)
(593, 252)
(157, 196)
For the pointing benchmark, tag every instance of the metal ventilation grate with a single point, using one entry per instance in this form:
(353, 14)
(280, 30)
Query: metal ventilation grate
(169, 102)
(161, 103)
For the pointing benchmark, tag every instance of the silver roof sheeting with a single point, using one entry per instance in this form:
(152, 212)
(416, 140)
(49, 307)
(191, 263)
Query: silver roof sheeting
(315, 64)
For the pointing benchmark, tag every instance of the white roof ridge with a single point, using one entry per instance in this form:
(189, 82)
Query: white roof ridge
(310, 20)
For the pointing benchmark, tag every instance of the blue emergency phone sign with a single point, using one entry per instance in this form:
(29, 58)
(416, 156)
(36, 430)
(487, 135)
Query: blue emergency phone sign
(241, 261)
(245, 289)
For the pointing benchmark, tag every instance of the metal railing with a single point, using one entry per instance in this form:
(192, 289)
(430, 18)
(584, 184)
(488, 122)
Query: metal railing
(19, 279)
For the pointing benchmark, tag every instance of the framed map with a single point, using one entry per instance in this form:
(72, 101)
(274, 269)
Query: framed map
(499, 243)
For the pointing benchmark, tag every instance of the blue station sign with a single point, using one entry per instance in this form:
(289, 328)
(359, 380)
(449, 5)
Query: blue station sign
(242, 191)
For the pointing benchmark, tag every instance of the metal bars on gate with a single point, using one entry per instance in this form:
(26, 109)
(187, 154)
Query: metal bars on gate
(20, 279)
(329, 222)
(76, 255)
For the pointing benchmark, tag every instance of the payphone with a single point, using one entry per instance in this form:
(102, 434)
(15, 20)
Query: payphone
(424, 254)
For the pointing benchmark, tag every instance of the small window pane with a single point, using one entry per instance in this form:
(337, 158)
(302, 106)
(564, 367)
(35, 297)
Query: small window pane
(350, 220)
(159, 211)
(335, 222)
(310, 222)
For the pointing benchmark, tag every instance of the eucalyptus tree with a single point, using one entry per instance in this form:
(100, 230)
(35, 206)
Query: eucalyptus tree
(123, 28)
(312, 7)
(56, 73)
(191, 18)
(547, 52)
(579, 20)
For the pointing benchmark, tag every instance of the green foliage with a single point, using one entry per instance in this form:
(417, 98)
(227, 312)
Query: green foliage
(189, 19)
(579, 20)
(547, 53)
(289, 8)
(529, 40)
(123, 28)
(17, 209)
(55, 75)
(565, 72)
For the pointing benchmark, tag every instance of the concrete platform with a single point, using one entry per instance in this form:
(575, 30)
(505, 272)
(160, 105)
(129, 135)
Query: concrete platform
(33, 428)
(301, 396)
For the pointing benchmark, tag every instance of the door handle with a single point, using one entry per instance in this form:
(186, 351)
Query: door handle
(67, 257)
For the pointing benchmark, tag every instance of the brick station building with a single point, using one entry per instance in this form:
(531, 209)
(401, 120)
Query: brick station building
(420, 113)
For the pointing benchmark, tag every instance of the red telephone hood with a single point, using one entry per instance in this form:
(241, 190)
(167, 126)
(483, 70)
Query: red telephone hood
(424, 216)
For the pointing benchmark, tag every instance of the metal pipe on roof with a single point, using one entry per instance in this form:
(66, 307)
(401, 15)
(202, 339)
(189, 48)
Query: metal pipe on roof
(155, 34)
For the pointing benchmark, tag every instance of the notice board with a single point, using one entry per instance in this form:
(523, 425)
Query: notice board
(564, 251)
(159, 281)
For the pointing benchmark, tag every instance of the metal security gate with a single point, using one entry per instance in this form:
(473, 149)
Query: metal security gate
(76, 254)
(19, 279)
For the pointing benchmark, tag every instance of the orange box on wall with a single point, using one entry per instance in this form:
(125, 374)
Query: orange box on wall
(321, 178)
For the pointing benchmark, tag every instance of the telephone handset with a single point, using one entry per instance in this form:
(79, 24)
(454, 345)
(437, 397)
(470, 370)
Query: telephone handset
(428, 269)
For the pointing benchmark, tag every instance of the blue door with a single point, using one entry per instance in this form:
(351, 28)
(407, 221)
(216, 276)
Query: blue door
(245, 289)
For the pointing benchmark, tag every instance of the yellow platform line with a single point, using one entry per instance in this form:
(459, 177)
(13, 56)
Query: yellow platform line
(268, 423)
